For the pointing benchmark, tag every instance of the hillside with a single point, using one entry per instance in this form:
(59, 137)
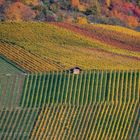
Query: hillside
(121, 12)
(115, 36)
(45, 47)
(41, 98)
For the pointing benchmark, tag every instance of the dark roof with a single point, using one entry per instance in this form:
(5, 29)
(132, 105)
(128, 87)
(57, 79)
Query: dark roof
(72, 69)
(75, 68)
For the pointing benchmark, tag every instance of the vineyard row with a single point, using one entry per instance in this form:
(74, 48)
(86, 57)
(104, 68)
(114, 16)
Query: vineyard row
(86, 88)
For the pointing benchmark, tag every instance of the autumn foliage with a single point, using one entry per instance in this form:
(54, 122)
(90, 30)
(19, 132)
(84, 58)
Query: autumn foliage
(132, 21)
(1, 2)
(130, 7)
(82, 20)
(19, 12)
(31, 2)
(115, 12)
(108, 2)
(75, 3)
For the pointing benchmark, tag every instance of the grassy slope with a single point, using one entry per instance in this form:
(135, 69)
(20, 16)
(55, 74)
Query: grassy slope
(7, 67)
(66, 47)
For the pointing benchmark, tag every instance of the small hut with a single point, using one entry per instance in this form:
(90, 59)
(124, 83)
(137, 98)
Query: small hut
(75, 70)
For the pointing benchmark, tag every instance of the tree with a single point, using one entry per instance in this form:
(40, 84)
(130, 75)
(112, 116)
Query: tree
(98, 8)
(75, 3)
(138, 3)
(31, 2)
(2, 2)
(65, 4)
(94, 8)
(2, 7)
(132, 21)
(108, 3)
(18, 11)
(82, 20)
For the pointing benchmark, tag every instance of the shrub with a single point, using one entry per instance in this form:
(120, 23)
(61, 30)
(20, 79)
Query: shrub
(75, 3)
(18, 11)
(106, 20)
(82, 20)
(2, 2)
(91, 11)
(31, 2)
(137, 28)
(50, 18)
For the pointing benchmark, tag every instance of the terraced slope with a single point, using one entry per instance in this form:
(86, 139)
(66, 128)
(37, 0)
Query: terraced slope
(45, 47)
(96, 104)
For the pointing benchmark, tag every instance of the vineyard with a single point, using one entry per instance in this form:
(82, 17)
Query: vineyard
(62, 105)
(41, 47)
(66, 88)
(17, 123)
(87, 88)
(11, 87)
(97, 121)
(117, 37)
(11, 83)
(41, 98)
(28, 61)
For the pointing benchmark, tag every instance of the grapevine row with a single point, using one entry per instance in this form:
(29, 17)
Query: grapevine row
(86, 88)
(96, 121)
(11, 87)
(17, 123)
(28, 61)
